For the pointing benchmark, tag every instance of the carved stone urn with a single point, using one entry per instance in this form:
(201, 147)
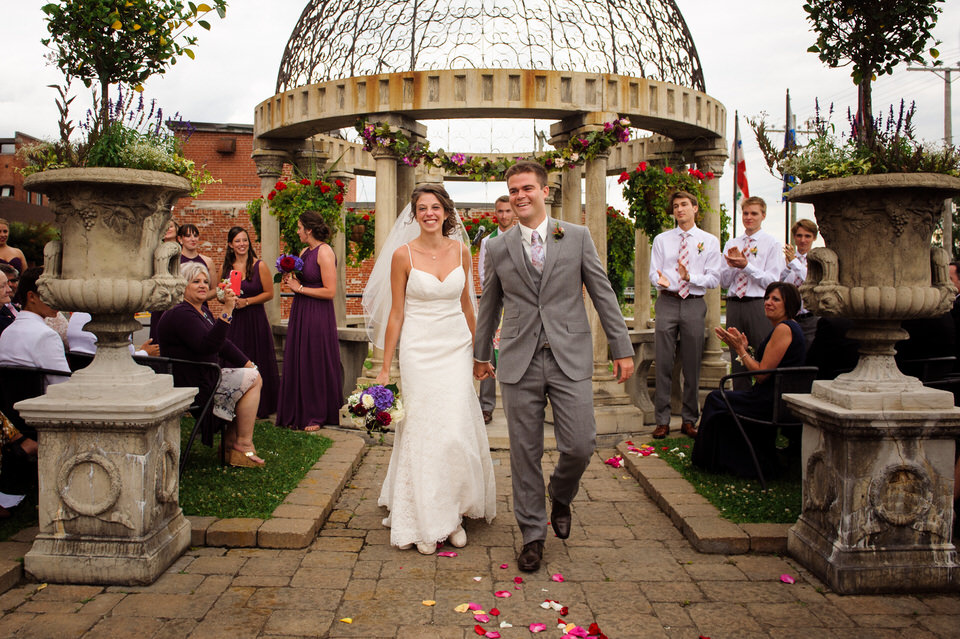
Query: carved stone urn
(110, 436)
(878, 445)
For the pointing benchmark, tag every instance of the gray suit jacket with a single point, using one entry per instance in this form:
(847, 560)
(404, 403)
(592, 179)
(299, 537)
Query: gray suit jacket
(571, 263)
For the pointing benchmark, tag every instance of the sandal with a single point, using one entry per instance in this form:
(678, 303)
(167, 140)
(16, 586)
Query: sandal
(312, 428)
(244, 459)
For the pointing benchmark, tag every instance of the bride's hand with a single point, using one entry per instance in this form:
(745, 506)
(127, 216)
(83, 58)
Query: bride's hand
(382, 378)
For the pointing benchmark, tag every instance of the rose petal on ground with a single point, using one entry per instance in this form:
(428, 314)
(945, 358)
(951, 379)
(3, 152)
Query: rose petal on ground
(481, 617)
(538, 627)
(493, 634)
(628, 443)
(495, 612)
(557, 577)
(504, 624)
(577, 631)
(614, 461)
(478, 578)
(564, 611)
(429, 602)
(787, 579)
(462, 608)
(545, 605)
(594, 629)
(480, 630)
(447, 553)
(501, 593)
(518, 580)
(473, 606)
(503, 566)
(347, 620)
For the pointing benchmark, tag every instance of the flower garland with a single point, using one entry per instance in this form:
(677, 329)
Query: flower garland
(648, 188)
(290, 199)
(578, 150)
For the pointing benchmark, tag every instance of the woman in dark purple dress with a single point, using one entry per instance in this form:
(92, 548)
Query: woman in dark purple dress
(9, 255)
(311, 389)
(250, 329)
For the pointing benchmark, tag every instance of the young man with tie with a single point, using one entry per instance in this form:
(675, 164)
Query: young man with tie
(752, 261)
(684, 263)
(803, 232)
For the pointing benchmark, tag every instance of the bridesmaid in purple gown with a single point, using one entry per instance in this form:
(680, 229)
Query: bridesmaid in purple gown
(250, 330)
(9, 255)
(311, 389)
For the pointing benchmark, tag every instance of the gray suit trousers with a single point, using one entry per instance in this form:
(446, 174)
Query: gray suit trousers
(748, 318)
(679, 320)
(488, 394)
(574, 427)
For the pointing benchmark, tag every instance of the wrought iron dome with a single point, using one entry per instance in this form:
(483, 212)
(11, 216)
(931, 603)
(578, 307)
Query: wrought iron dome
(337, 39)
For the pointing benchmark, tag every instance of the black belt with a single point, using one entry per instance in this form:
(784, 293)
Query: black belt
(804, 315)
(677, 295)
(743, 299)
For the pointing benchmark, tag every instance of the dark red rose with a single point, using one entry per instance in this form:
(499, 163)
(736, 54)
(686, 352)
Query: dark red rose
(642, 166)
(366, 217)
(305, 182)
(384, 418)
(318, 183)
(359, 410)
(338, 198)
(468, 226)
(623, 177)
(324, 188)
(709, 175)
(668, 170)
(338, 183)
(271, 195)
(280, 186)
(287, 263)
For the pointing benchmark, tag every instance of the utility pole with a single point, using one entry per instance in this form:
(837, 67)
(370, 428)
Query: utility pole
(948, 140)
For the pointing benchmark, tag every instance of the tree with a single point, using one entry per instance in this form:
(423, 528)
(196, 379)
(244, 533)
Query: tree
(873, 37)
(122, 41)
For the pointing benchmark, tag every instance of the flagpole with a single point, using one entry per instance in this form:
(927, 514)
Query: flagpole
(786, 203)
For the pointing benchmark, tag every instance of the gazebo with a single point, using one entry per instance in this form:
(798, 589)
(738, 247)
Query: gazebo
(579, 62)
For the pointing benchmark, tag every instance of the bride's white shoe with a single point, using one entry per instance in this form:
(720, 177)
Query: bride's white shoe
(405, 547)
(426, 548)
(458, 538)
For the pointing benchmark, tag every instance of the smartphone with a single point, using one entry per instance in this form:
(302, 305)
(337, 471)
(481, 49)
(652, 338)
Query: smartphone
(235, 281)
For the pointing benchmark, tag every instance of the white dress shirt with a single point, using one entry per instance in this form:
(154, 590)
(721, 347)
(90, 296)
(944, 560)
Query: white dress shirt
(703, 259)
(28, 341)
(526, 232)
(83, 341)
(795, 273)
(482, 253)
(763, 266)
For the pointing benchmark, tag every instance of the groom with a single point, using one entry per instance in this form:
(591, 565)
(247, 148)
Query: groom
(536, 272)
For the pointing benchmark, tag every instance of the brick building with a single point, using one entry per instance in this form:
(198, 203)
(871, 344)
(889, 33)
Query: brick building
(16, 203)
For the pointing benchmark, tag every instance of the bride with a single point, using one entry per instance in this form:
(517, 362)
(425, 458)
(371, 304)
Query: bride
(440, 469)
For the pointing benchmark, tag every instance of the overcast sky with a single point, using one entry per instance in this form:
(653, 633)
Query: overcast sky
(752, 51)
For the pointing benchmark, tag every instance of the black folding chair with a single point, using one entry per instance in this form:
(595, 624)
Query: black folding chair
(785, 380)
(201, 408)
(928, 369)
(76, 360)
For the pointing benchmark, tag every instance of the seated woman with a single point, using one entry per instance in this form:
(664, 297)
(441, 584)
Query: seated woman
(189, 331)
(720, 446)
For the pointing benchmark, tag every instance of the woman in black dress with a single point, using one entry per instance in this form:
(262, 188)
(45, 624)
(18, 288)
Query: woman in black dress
(720, 446)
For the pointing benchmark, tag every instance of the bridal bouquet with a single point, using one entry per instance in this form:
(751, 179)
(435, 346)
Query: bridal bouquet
(287, 264)
(375, 407)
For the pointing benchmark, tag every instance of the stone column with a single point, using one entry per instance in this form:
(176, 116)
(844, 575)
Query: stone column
(340, 251)
(269, 167)
(570, 190)
(386, 196)
(713, 366)
(641, 281)
(556, 195)
(596, 222)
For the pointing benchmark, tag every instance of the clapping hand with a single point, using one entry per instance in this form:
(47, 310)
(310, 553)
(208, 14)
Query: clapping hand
(662, 280)
(732, 338)
(735, 258)
(789, 252)
(682, 270)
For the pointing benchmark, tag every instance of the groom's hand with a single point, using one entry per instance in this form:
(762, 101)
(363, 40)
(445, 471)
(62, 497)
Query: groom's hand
(622, 369)
(482, 370)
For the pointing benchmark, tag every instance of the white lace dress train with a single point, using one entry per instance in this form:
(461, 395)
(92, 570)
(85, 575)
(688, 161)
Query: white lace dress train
(440, 469)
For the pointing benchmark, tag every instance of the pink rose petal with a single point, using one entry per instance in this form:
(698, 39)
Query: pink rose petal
(493, 634)
(787, 579)
(481, 618)
(578, 632)
(518, 580)
(447, 553)
(557, 577)
(473, 606)
(503, 566)
(614, 461)
(538, 627)
(501, 593)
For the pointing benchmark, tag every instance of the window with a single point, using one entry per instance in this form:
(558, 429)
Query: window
(8, 149)
(6, 190)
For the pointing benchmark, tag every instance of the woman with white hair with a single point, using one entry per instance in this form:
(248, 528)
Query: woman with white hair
(189, 331)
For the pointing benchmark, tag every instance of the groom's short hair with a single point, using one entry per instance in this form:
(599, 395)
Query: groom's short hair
(526, 166)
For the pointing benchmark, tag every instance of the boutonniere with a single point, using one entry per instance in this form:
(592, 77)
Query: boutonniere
(699, 248)
(557, 232)
(753, 251)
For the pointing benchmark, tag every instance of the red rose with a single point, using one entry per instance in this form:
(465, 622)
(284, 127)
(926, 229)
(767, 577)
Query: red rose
(668, 170)
(642, 166)
(359, 410)
(351, 209)
(384, 418)
(287, 263)
(709, 175)
(366, 218)
(280, 186)
(271, 195)
(468, 226)
(495, 221)
(623, 177)
(338, 198)
(318, 183)
(338, 183)
(305, 182)
(324, 188)
(475, 220)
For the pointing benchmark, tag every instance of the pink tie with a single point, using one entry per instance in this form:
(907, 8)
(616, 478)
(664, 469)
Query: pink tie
(740, 286)
(682, 259)
(536, 251)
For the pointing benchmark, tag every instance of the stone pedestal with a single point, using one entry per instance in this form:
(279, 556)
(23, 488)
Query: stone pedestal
(877, 493)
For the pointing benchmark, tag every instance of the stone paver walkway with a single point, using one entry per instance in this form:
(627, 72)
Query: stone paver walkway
(625, 567)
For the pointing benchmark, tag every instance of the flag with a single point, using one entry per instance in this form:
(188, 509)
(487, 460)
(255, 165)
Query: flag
(739, 165)
(789, 143)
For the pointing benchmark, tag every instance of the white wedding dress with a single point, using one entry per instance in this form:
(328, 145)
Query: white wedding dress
(440, 469)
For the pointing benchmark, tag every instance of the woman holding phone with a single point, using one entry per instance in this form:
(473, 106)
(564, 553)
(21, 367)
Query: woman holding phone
(250, 330)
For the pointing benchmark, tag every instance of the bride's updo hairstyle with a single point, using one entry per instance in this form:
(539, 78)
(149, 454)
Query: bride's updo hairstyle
(313, 222)
(437, 190)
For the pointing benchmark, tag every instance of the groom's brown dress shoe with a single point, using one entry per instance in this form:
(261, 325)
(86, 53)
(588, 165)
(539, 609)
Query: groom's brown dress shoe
(689, 430)
(661, 431)
(560, 519)
(529, 558)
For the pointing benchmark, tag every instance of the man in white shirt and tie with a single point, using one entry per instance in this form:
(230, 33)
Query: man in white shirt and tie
(684, 263)
(804, 232)
(28, 341)
(752, 261)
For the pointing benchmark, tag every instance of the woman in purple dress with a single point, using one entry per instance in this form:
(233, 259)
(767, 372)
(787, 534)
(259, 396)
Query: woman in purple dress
(9, 255)
(250, 329)
(311, 389)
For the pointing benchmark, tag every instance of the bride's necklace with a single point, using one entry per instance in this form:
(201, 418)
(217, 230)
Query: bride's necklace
(433, 256)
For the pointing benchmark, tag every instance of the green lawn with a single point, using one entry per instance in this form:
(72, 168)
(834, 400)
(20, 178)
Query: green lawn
(206, 488)
(739, 500)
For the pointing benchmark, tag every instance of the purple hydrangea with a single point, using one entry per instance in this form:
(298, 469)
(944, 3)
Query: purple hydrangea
(382, 396)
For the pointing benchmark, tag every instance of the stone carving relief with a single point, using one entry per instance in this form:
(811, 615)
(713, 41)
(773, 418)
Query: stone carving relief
(74, 507)
(821, 492)
(167, 479)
